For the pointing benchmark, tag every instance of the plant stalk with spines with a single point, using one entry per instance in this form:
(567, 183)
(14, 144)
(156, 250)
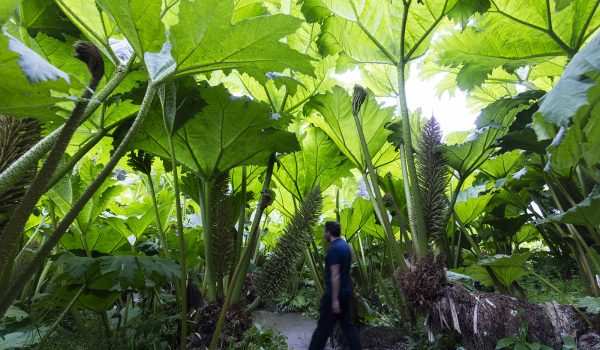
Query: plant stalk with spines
(167, 92)
(12, 290)
(237, 281)
(416, 217)
(358, 99)
(13, 231)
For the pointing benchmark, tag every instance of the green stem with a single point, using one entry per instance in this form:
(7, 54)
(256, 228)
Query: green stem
(12, 291)
(13, 230)
(242, 266)
(60, 318)
(179, 211)
(313, 271)
(209, 276)
(253, 238)
(376, 198)
(417, 221)
(158, 223)
(242, 218)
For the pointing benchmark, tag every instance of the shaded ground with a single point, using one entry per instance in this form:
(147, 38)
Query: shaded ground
(298, 330)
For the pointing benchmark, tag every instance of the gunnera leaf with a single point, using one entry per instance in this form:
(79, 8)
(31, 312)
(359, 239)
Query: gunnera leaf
(274, 275)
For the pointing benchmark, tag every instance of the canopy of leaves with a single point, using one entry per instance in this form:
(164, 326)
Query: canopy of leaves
(228, 132)
(388, 32)
(512, 35)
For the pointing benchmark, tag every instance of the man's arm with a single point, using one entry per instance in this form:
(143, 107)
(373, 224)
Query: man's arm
(335, 288)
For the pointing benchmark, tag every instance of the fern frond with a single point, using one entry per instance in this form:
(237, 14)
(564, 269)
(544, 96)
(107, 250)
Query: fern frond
(272, 278)
(432, 173)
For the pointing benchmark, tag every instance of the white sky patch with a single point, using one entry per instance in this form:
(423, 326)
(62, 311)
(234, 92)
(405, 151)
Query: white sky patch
(452, 113)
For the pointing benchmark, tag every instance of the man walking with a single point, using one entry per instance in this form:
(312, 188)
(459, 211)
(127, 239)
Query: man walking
(336, 304)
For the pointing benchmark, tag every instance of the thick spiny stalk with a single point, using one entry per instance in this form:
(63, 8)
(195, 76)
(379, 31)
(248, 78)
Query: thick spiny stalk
(29, 160)
(359, 97)
(13, 231)
(8, 297)
(417, 220)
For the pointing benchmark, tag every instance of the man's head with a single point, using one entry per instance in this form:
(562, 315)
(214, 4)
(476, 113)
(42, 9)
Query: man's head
(333, 230)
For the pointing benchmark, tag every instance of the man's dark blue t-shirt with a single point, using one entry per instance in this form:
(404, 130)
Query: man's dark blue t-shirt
(339, 253)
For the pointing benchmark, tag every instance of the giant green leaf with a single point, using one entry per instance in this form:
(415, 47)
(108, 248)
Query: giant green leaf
(571, 92)
(70, 187)
(493, 122)
(7, 8)
(381, 31)
(205, 39)
(230, 131)
(500, 166)
(319, 162)
(139, 21)
(32, 82)
(507, 269)
(44, 16)
(332, 113)
(583, 213)
(469, 209)
(513, 34)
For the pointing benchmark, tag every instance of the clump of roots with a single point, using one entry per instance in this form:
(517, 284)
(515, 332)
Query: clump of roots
(423, 281)
(482, 319)
(236, 324)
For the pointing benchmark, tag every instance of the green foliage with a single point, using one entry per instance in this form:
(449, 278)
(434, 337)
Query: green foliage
(583, 213)
(492, 123)
(319, 162)
(261, 338)
(507, 269)
(511, 36)
(223, 135)
(520, 342)
(32, 81)
(18, 331)
(590, 304)
(332, 113)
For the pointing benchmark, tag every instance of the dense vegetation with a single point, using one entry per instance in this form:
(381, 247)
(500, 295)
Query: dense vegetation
(166, 166)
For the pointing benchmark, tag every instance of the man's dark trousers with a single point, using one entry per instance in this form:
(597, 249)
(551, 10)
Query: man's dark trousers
(327, 320)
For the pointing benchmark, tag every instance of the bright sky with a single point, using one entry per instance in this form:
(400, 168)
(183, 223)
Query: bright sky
(452, 113)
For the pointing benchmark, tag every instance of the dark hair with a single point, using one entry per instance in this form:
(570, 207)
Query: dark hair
(334, 228)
